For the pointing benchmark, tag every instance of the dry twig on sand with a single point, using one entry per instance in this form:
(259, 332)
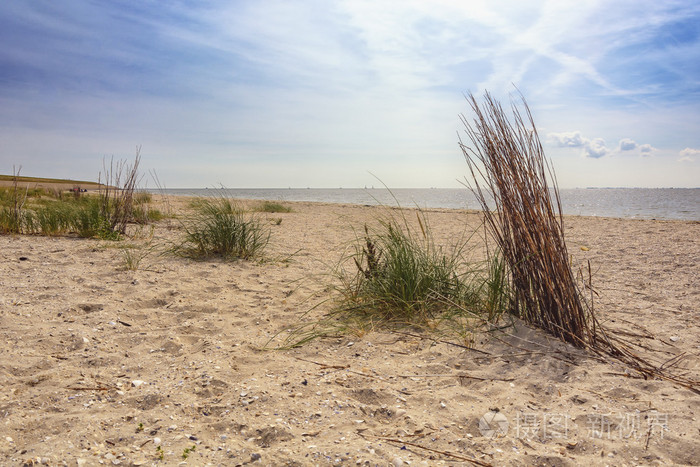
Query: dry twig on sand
(436, 451)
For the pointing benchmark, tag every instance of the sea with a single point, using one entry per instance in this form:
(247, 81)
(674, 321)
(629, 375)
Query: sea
(629, 203)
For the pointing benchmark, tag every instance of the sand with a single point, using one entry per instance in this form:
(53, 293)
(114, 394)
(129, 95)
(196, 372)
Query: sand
(101, 365)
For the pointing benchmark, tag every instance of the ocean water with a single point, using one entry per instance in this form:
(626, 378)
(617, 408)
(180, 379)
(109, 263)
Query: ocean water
(631, 203)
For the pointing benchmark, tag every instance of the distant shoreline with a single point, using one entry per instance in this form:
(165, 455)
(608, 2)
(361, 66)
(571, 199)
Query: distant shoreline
(626, 203)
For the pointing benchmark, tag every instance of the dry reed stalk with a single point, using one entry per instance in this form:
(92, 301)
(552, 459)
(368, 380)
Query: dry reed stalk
(509, 168)
(526, 225)
(117, 193)
(18, 200)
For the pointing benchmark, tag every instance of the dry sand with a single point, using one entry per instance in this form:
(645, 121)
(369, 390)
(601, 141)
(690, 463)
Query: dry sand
(100, 365)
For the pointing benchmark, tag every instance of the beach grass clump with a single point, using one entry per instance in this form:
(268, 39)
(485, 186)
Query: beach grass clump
(397, 275)
(8, 193)
(52, 219)
(143, 197)
(495, 289)
(404, 276)
(81, 216)
(11, 221)
(149, 215)
(89, 221)
(220, 228)
(272, 207)
(401, 276)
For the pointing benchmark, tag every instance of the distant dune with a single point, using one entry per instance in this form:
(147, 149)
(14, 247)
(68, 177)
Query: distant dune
(50, 183)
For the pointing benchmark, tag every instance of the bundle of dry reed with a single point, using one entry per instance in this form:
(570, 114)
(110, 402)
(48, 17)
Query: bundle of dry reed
(511, 172)
(509, 168)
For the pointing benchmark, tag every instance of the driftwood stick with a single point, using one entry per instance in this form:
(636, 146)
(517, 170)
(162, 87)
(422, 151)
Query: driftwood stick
(437, 451)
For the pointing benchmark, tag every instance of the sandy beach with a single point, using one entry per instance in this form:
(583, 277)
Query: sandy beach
(166, 365)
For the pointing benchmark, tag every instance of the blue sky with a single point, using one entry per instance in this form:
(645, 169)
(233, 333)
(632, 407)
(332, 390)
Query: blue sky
(326, 93)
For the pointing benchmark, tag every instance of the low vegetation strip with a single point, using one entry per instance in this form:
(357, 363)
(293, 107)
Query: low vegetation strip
(9, 180)
(51, 211)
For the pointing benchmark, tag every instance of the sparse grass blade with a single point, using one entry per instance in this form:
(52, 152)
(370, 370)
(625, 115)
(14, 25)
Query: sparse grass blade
(133, 256)
(272, 207)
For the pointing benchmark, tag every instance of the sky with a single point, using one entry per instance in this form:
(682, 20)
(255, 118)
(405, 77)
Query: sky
(346, 93)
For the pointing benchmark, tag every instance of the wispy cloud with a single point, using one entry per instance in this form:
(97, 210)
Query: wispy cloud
(689, 155)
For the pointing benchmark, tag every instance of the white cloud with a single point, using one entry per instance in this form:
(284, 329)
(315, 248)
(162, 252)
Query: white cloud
(689, 155)
(646, 149)
(567, 139)
(627, 144)
(596, 148)
(593, 148)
